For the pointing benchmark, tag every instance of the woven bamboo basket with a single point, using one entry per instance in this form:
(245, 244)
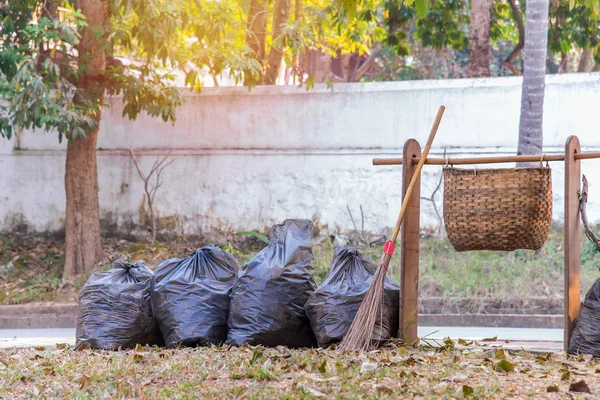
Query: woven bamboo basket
(497, 209)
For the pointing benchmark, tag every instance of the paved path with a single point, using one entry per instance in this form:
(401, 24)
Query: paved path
(35, 337)
(483, 333)
(530, 339)
(539, 340)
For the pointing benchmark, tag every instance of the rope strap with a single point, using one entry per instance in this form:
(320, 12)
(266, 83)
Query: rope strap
(583, 196)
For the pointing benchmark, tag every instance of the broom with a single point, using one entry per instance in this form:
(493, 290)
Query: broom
(360, 332)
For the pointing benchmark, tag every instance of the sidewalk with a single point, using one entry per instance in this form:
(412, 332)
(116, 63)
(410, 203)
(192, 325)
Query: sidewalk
(543, 340)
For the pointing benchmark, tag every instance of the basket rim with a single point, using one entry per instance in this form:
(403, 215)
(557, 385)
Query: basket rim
(490, 170)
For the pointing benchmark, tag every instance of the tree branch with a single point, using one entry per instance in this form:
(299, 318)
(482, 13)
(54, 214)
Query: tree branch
(519, 20)
(364, 68)
(150, 192)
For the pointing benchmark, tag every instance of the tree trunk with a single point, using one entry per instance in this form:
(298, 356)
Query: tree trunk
(298, 57)
(82, 227)
(534, 74)
(586, 58)
(563, 67)
(596, 68)
(82, 223)
(479, 43)
(257, 32)
(280, 17)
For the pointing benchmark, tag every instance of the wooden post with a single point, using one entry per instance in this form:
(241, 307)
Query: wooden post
(409, 248)
(572, 237)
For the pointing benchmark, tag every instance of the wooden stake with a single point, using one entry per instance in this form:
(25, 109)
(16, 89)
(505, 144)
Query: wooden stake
(409, 246)
(572, 237)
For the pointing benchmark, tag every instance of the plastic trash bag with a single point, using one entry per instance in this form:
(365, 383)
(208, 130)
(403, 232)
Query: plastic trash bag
(115, 310)
(331, 309)
(586, 335)
(267, 304)
(190, 297)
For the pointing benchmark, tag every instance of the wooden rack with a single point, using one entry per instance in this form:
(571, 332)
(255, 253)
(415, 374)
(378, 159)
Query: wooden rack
(409, 242)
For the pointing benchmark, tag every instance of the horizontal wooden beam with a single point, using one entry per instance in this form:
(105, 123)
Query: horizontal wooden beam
(486, 160)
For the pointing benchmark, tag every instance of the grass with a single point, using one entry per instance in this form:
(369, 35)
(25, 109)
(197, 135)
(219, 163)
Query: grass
(445, 272)
(280, 373)
(30, 269)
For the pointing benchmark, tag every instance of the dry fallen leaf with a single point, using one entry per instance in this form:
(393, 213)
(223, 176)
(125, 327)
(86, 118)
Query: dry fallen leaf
(552, 389)
(84, 382)
(368, 366)
(493, 339)
(579, 387)
(500, 354)
(456, 378)
(315, 393)
(467, 390)
(383, 389)
(323, 367)
(441, 388)
(504, 366)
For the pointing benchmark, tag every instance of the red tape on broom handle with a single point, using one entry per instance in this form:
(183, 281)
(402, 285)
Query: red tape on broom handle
(388, 247)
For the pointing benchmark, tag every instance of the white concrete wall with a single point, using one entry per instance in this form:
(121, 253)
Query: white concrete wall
(247, 160)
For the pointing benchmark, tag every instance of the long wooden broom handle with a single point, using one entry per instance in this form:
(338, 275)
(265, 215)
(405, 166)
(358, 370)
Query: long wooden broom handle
(417, 172)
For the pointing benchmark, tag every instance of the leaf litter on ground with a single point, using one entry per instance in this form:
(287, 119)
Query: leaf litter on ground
(257, 372)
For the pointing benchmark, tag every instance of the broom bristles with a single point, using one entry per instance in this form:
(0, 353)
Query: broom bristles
(361, 331)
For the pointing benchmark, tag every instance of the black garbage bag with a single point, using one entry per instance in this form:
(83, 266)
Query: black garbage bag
(331, 309)
(190, 297)
(115, 310)
(267, 304)
(586, 335)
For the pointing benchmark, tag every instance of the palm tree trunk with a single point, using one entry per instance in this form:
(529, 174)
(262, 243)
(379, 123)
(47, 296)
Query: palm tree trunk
(534, 74)
(479, 43)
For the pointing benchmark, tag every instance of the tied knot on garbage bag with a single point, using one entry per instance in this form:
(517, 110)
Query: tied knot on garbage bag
(333, 306)
(267, 303)
(115, 310)
(191, 296)
(137, 268)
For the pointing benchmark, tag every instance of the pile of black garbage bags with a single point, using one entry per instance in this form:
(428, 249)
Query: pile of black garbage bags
(207, 298)
(586, 335)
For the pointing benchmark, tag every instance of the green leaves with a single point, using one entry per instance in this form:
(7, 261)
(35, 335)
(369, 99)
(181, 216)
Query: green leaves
(310, 82)
(350, 7)
(421, 7)
(37, 61)
(257, 356)
(256, 235)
